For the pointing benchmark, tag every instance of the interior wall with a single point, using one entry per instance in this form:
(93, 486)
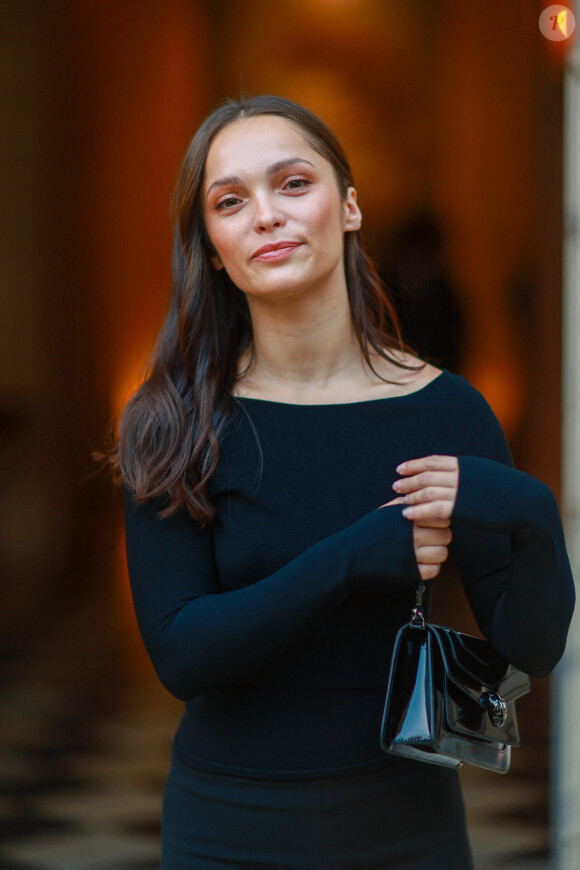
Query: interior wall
(497, 181)
(35, 532)
(99, 101)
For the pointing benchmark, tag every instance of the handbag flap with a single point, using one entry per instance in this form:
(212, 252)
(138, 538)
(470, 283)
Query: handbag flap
(473, 662)
(475, 708)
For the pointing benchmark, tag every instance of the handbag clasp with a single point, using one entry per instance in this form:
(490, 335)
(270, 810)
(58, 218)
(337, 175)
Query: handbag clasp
(496, 708)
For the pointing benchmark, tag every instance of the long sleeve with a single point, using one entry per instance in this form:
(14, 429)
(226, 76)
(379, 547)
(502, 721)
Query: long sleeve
(528, 613)
(200, 638)
(276, 623)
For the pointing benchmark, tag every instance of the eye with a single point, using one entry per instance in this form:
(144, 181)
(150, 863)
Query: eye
(226, 203)
(297, 184)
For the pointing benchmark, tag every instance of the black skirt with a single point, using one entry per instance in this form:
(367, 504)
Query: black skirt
(407, 816)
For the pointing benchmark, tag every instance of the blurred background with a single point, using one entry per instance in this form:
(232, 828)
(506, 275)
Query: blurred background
(452, 115)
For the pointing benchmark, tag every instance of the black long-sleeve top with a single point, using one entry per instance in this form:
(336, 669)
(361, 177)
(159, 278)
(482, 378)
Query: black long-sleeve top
(276, 623)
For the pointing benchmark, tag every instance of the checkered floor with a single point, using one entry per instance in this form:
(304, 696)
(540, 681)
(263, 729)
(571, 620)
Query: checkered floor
(84, 749)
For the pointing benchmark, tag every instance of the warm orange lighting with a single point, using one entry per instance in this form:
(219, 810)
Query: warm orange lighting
(144, 84)
(128, 377)
(501, 382)
(562, 22)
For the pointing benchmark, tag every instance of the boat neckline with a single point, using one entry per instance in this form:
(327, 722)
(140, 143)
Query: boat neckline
(422, 389)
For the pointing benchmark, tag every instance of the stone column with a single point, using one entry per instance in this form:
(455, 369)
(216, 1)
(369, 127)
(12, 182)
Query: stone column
(566, 680)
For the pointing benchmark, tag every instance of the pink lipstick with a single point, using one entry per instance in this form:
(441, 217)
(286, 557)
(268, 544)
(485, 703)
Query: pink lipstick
(275, 251)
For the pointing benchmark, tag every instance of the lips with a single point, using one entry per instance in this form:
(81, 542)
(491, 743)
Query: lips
(275, 251)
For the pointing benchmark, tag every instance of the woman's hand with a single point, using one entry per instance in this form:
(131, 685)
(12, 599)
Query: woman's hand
(429, 487)
(430, 545)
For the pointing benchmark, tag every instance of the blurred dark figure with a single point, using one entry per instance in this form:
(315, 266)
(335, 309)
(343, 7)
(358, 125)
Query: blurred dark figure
(412, 265)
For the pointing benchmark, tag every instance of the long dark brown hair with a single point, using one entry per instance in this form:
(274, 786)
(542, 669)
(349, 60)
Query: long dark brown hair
(170, 430)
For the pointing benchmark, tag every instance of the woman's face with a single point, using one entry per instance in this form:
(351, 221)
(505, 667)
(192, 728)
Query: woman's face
(273, 210)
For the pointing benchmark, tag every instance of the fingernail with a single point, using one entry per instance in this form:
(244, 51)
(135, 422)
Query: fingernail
(407, 512)
(397, 485)
(400, 468)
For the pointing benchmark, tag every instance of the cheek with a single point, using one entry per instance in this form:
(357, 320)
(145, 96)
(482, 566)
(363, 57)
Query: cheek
(326, 216)
(224, 239)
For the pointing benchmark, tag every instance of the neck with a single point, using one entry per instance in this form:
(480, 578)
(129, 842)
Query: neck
(301, 346)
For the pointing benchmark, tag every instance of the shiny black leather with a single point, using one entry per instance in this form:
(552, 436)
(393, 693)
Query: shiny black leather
(451, 698)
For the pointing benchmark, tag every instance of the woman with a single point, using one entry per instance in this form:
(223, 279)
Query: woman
(265, 459)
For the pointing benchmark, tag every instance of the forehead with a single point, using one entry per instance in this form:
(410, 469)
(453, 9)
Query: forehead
(251, 144)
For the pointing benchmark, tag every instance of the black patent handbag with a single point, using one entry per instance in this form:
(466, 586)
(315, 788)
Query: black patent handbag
(450, 697)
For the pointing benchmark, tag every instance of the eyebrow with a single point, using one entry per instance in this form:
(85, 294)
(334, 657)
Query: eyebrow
(270, 171)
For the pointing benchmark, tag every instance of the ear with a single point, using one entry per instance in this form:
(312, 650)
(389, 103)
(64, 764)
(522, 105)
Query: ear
(216, 262)
(351, 211)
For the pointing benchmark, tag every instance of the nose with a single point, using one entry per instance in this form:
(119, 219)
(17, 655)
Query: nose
(268, 212)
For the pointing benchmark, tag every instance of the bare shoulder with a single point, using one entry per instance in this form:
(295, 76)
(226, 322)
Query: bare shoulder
(406, 374)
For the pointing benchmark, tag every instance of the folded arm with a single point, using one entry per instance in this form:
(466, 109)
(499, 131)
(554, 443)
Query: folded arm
(199, 638)
(520, 587)
(530, 620)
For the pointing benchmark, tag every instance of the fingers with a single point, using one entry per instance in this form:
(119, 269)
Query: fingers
(436, 514)
(430, 487)
(426, 480)
(432, 555)
(428, 463)
(431, 549)
(425, 536)
(428, 572)
(431, 494)
(399, 500)
(433, 522)
(429, 497)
